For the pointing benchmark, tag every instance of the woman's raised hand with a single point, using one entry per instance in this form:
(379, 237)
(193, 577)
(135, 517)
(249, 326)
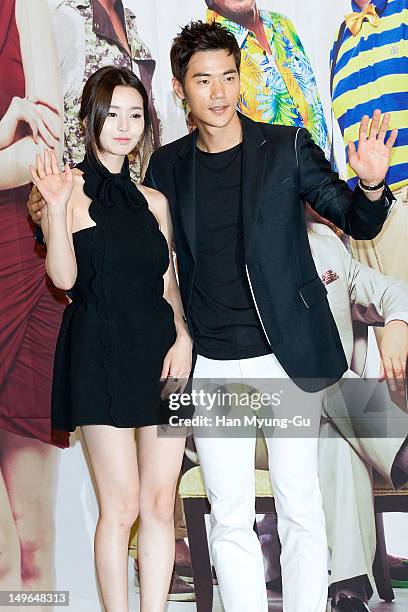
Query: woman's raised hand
(55, 186)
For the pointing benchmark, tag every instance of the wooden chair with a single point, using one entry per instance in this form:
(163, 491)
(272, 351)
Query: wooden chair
(196, 506)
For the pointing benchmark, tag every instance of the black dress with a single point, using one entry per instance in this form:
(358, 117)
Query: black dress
(116, 332)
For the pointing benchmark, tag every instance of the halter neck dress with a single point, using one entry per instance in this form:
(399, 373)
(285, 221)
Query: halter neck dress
(117, 330)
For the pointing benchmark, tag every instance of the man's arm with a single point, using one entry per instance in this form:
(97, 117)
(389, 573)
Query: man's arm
(376, 298)
(354, 212)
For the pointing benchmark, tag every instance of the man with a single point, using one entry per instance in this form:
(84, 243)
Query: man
(368, 67)
(92, 34)
(277, 80)
(205, 63)
(224, 260)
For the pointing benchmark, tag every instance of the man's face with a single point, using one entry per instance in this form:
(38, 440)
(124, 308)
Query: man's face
(124, 125)
(211, 87)
(234, 8)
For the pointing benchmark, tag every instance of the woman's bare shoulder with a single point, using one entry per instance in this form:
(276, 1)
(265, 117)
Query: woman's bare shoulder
(155, 199)
(78, 197)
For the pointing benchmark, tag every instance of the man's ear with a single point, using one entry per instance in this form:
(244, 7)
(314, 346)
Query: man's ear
(178, 89)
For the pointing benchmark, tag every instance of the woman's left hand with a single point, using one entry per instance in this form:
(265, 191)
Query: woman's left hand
(177, 366)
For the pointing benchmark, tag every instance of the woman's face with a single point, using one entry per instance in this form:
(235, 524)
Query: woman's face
(124, 125)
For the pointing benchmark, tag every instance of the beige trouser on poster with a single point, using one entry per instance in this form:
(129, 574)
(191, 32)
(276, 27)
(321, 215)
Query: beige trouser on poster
(387, 253)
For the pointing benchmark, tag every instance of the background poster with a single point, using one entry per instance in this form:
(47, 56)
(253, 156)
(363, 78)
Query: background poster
(157, 22)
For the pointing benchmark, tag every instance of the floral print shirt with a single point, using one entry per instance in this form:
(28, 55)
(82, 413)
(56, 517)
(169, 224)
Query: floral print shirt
(86, 41)
(281, 87)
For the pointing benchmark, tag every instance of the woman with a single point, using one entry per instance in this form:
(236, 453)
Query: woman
(124, 330)
(30, 312)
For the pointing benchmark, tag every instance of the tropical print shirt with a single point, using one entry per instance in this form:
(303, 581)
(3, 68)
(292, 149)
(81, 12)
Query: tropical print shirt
(281, 87)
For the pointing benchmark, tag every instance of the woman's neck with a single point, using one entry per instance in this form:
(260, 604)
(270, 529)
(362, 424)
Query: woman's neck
(113, 163)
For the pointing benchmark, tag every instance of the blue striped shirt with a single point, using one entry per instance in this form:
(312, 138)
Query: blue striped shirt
(371, 71)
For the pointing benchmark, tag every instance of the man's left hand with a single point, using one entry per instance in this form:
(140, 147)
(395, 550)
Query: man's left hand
(394, 355)
(372, 159)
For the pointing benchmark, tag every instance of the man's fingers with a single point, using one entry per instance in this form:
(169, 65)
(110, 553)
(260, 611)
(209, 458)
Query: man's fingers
(362, 133)
(391, 139)
(34, 196)
(384, 127)
(351, 150)
(375, 123)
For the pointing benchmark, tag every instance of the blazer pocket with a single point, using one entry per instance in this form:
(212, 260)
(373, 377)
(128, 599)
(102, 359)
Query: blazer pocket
(277, 190)
(312, 292)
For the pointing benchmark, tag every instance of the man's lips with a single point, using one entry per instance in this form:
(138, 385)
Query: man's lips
(219, 109)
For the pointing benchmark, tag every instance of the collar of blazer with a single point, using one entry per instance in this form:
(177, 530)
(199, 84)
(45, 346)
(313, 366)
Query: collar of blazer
(253, 167)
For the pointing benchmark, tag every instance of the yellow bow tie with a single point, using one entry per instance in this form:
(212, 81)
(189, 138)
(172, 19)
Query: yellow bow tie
(354, 21)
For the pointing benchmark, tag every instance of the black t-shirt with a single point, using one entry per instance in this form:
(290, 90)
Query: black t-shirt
(222, 310)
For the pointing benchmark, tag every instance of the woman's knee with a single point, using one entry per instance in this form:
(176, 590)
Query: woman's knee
(158, 505)
(120, 510)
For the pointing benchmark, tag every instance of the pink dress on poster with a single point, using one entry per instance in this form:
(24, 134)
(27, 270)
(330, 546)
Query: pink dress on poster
(30, 308)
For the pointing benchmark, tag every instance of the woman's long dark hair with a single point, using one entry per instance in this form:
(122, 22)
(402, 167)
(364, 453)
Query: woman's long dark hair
(95, 105)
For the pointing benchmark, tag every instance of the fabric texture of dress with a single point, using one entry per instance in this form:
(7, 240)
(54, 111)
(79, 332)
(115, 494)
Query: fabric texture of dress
(118, 328)
(30, 308)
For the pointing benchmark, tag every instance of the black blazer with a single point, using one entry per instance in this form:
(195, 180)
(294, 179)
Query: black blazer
(282, 167)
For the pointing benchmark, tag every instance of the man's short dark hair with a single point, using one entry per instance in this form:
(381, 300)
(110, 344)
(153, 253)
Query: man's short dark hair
(199, 36)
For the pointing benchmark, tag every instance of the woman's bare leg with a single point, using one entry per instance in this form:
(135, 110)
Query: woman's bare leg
(30, 472)
(112, 454)
(159, 469)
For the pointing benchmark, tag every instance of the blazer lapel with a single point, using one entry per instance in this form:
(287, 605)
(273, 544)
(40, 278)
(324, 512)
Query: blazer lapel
(253, 169)
(185, 182)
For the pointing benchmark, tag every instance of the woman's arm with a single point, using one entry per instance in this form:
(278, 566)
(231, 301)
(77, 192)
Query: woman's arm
(159, 207)
(177, 362)
(57, 188)
(42, 87)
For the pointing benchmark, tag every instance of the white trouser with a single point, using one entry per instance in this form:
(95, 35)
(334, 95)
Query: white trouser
(228, 466)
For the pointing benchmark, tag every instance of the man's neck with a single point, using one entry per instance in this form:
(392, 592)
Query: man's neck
(108, 5)
(249, 20)
(363, 5)
(252, 21)
(216, 140)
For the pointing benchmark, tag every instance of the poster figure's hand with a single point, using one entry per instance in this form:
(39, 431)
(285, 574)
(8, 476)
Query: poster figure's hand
(372, 158)
(55, 186)
(42, 119)
(394, 355)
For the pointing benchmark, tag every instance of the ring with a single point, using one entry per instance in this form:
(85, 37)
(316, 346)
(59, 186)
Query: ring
(173, 378)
